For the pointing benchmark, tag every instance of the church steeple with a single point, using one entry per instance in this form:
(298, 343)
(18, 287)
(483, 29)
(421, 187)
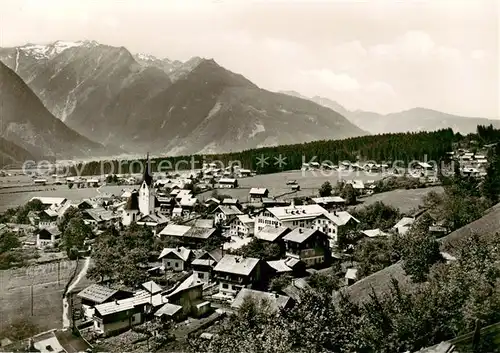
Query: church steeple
(147, 177)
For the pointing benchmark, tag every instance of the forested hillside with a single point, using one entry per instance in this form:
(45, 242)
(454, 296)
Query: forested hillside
(403, 147)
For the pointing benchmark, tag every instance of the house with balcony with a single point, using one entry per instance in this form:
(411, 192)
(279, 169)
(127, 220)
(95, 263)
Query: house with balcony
(288, 216)
(335, 223)
(224, 213)
(310, 246)
(235, 272)
(241, 226)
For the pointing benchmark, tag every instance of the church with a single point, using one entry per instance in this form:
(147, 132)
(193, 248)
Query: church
(141, 203)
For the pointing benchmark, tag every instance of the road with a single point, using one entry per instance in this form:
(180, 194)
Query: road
(81, 274)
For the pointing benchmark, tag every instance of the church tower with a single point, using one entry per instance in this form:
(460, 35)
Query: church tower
(147, 192)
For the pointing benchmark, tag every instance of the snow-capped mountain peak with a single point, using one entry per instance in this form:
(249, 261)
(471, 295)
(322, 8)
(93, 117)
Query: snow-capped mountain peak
(48, 51)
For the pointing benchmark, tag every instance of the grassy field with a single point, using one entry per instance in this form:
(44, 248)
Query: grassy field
(15, 295)
(405, 200)
(309, 181)
(13, 197)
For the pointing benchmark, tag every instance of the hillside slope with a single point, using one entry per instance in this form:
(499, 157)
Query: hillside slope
(27, 123)
(10, 154)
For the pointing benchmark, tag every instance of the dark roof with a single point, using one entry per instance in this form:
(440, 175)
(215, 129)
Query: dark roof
(133, 202)
(147, 177)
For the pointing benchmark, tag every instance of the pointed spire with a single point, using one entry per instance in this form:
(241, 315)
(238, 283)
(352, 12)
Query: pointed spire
(147, 178)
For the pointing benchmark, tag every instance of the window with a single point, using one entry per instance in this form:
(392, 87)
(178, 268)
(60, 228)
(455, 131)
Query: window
(201, 275)
(168, 263)
(225, 285)
(133, 318)
(176, 264)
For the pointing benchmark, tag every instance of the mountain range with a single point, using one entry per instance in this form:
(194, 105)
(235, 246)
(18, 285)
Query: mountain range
(87, 99)
(30, 129)
(141, 103)
(416, 119)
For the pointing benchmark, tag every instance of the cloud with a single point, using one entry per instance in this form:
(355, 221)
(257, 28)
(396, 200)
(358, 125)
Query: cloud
(336, 82)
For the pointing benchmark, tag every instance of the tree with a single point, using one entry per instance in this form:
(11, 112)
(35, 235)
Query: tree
(260, 249)
(373, 255)
(419, 251)
(122, 256)
(74, 235)
(279, 282)
(377, 215)
(8, 241)
(490, 187)
(327, 282)
(69, 214)
(22, 212)
(349, 194)
(325, 189)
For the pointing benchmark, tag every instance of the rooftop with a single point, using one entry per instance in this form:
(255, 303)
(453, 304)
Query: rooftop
(168, 310)
(175, 230)
(300, 234)
(97, 293)
(50, 200)
(276, 301)
(152, 287)
(328, 199)
(229, 210)
(340, 218)
(258, 191)
(140, 298)
(372, 233)
(279, 266)
(237, 265)
(180, 252)
(271, 233)
(296, 212)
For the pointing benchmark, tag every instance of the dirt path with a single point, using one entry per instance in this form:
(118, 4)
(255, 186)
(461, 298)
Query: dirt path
(81, 274)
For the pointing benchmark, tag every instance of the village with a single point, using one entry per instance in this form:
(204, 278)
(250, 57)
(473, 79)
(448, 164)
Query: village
(216, 250)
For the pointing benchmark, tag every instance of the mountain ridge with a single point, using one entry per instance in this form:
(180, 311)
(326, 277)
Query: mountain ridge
(413, 119)
(28, 124)
(106, 94)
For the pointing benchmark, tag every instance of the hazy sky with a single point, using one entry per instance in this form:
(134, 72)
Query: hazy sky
(379, 55)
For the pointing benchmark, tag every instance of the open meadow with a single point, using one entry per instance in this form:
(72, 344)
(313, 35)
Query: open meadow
(309, 182)
(15, 196)
(405, 200)
(48, 285)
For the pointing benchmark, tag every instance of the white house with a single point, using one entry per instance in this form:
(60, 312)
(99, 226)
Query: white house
(241, 225)
(223, 213)
(289, 216)
(333, 223)
(176, 259)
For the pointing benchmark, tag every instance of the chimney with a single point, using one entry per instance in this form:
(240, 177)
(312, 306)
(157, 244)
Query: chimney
(292, 204)
(116, 302)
